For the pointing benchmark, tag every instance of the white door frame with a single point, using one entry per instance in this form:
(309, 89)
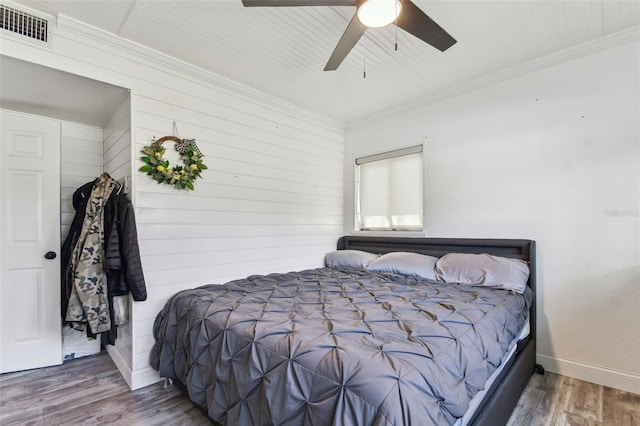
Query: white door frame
(30, 321)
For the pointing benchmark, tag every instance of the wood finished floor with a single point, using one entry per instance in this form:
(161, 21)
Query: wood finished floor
(90, 391)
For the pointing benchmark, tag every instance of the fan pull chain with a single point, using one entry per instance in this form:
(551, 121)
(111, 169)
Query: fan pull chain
(396, 38)
(364, 66)
(396, 24)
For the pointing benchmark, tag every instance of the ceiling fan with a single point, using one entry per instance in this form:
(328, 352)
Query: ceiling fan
(372, 14)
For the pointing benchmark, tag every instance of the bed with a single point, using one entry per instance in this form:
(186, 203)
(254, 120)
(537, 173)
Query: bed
(350, 345)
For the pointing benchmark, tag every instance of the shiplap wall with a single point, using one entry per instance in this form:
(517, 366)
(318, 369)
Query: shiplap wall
(270, 201)
(117, 142)
(81, 162)
(117, 162)
(272, 197)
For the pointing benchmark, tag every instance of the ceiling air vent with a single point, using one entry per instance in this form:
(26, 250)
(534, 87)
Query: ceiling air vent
(22, 23)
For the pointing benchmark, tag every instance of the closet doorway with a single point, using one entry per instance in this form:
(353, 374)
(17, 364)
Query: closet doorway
(36, 194)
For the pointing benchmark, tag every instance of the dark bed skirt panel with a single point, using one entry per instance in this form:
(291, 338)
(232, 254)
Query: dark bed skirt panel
(505, 392)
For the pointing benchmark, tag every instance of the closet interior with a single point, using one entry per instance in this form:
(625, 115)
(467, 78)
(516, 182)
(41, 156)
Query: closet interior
(95, 138)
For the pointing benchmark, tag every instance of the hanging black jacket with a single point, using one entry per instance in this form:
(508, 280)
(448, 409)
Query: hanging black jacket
(122, 263)
(122, 254)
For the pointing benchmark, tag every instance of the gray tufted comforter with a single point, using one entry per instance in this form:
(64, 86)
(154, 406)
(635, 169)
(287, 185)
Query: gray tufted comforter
(335, 346)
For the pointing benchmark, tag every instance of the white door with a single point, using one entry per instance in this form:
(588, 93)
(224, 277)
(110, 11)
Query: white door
(30, 323)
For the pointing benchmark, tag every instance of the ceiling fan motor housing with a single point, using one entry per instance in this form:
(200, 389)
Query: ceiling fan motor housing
(378, 13)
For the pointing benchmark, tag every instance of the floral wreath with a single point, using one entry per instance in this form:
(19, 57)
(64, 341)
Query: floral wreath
(161, 171)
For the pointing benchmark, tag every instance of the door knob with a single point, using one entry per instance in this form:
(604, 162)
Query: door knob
(50, 255)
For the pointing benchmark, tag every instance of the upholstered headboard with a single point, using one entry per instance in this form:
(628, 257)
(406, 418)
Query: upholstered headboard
(520, 249)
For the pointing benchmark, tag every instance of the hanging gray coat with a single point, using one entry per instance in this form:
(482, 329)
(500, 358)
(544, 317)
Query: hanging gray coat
(88, 302)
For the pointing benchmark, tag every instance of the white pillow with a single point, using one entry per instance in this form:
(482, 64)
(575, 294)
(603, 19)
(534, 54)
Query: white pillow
(349, 258)
(405, 263)
(483, 270)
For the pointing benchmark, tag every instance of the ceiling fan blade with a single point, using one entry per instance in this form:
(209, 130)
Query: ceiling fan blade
(349, 39)
(414, 21)
(289, 3)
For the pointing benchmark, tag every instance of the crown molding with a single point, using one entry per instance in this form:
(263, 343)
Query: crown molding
(585, 49)
(79, 31)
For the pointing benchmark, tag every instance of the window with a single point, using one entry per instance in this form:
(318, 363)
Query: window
(389, 191)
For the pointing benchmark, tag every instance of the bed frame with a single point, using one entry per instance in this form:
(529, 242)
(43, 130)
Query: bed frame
(503, 395)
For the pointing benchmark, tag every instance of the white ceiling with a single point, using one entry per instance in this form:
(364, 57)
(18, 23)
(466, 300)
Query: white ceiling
(282, 51)
(44, 91)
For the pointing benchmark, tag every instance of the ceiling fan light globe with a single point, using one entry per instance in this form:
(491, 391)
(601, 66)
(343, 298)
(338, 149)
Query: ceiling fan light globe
(378, 13)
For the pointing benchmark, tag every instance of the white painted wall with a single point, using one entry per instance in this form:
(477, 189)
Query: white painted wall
(81, 162)
(553, 156)
(270, 201)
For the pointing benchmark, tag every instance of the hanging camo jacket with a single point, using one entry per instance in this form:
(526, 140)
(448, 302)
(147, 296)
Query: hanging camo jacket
(88, 302)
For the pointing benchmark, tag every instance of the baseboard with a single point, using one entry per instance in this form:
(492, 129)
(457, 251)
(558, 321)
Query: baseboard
(591, 373)
(135, 379)
(144, 377)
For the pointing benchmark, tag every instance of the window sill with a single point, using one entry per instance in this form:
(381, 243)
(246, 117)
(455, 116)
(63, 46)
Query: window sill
(391, 233)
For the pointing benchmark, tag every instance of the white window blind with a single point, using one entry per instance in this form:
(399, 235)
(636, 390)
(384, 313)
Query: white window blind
(390, 191)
